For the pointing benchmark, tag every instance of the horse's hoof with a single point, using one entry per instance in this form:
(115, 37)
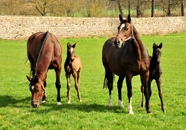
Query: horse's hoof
(80, 100)
(59, 103)
(131, 112)
(120, 103)
(69, 102)
(163, 110)
(149, 112)
(43, 102)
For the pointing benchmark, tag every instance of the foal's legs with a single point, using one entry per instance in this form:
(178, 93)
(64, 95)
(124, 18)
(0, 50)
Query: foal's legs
(120, 82)
(68, 86)
(158, 82)
(77, 81)
(58, 84)
(44, 97)
(129, 88)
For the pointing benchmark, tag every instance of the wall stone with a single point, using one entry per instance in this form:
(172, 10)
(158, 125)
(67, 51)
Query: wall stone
(21, 27)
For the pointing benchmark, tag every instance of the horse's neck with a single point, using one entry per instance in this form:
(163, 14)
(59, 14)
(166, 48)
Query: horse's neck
(41, 70)
(153, 63)
(68, 60)
(138, 43)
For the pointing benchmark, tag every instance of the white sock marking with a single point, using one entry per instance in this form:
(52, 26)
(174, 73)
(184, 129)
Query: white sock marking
(110, 101)
(130, 107)
(120, 103)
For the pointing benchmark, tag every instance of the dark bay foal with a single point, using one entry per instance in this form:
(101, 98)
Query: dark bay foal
(72, 66)
(155, 73)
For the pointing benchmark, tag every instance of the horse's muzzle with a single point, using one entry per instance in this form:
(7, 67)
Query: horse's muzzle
(35, 105)
(117, 42)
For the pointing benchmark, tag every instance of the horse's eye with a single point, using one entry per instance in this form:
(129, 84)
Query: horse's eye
(126, 28)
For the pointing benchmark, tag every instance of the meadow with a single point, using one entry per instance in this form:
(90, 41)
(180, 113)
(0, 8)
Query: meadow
(94, 112)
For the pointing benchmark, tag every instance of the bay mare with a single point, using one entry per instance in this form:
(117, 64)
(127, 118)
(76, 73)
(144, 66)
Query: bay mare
(44, 52)
(126, 56)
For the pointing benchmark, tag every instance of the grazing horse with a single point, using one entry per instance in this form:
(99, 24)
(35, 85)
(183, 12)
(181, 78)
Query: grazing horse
(72, 66)
(44, 52)
(155, 72)
(126, 56)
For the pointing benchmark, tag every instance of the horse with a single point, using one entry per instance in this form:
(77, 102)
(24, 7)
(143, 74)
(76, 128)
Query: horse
(126, 56)
(44, 52)
(155, 72)
(72, 66)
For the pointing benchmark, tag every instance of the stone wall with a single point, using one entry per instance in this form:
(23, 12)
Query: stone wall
(21, 27)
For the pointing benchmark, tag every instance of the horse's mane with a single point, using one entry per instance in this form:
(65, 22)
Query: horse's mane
(42, 41)
(137, 37)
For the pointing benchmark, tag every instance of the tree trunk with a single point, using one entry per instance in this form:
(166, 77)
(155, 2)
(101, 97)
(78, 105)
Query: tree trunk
(182, 8)
(169, 12)
(138, 9)
(129, 7)
(119, 6)
(152, 10)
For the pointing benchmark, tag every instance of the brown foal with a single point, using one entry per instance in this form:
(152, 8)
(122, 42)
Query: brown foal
(72, 66)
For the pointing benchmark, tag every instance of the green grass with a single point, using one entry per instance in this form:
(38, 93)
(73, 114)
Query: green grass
(93, 112)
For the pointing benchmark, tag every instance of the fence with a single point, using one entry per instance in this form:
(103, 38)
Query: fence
(21, 27)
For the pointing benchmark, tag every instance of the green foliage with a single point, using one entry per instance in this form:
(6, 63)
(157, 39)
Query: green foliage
(94, 111)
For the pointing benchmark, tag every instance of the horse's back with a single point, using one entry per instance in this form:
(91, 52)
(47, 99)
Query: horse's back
(52, 49)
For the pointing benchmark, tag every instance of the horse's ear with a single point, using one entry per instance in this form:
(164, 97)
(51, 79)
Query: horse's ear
(154, 45)
(68, 45)
(74, 45)
(160, 46)
(129, 18)
(120, 18)
(29, 78)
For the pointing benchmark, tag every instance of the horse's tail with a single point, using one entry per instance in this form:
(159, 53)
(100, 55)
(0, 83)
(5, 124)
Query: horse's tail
(42, 41)
(106, 83)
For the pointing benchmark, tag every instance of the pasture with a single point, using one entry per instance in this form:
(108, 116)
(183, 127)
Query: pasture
(94, 111)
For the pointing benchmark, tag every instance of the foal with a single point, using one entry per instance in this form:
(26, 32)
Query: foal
(72, 66)
(155, 73)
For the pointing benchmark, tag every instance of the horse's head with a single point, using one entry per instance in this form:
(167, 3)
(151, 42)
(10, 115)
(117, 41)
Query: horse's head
(157, 52)
(37, 90)
(125, 31)
(70, 51)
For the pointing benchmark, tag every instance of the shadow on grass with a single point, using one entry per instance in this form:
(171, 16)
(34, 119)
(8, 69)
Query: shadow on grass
(81, 107)
(49, 107)
(6, 100)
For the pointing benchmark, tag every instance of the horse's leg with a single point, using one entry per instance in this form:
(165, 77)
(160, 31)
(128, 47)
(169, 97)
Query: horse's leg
(120, 82)
(44, 97)
(142, 91)
(147, 89)
(129, 89)
(75, 74)
(158, 82)
(78, 80)
(108, 81)
(58, 84)
(68, 86)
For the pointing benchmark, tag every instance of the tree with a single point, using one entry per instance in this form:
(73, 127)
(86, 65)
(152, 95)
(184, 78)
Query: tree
(182, 8)
(152, 9)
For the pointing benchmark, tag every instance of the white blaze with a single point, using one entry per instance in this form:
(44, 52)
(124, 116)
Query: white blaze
(71, 50)
(32, 87)
(122, 26)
